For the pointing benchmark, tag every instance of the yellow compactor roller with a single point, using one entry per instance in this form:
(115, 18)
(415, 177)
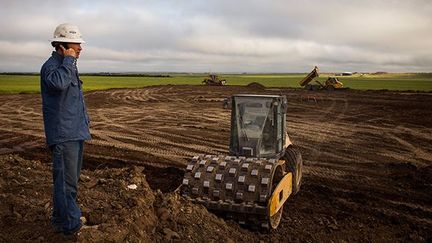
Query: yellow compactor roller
(263, 168)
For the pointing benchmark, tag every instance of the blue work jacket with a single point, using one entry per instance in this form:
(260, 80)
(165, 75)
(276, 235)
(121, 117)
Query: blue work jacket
(64, 111)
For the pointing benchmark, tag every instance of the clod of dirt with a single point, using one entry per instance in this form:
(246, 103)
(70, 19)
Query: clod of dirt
(163, 214)
(170, 235)
(192, 222)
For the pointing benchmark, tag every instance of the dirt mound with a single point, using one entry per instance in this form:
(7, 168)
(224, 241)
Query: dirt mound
(255, 85)
(117, 203)
(113, 211)
(181, 219)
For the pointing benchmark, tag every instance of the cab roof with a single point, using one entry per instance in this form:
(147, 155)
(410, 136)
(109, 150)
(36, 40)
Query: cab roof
(258, 96)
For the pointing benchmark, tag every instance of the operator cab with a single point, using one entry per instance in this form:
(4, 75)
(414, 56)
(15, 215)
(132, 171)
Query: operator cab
(257, 125)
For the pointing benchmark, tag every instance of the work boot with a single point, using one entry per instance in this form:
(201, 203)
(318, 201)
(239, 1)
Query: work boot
(72, 234)
(57, 229)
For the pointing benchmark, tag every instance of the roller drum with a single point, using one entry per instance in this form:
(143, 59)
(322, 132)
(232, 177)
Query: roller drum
(232, 185)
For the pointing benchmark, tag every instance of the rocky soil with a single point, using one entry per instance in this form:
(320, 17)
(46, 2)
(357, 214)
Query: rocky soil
(367, 174)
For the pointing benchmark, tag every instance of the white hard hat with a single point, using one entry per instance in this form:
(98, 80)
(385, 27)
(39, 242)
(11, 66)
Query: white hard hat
(67, 33)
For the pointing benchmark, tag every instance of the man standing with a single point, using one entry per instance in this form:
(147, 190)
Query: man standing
(66, 124)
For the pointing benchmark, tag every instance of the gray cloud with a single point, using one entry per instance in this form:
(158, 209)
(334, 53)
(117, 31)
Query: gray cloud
(225, 36)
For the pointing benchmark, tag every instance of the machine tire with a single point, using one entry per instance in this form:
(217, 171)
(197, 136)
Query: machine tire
(294, 164)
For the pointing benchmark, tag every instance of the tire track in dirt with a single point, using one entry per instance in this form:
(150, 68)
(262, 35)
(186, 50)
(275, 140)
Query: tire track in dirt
(192, 139)
(122, 120)
(21, 126)
(399, 135)
(152, 142)
(366, 177)
(19, 141)
(175, 158)
(148, 139)
(330, 133)
(128, 162)
(355, 147)
(143, 95)
(19, 131)
(416, 151)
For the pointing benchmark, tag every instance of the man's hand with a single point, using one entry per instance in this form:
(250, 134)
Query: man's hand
(69, 52)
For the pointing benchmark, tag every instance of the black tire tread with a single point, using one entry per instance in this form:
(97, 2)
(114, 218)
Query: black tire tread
(294, 164)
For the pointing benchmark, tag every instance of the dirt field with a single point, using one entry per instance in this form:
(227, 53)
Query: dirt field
(367, 175)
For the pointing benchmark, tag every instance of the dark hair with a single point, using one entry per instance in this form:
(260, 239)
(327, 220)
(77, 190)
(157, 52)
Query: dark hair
(57, 44)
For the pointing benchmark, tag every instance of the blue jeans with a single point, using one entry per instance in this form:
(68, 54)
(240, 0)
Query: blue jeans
(67, 161)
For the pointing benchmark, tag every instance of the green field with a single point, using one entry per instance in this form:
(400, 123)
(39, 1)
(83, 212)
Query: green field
(402, 82)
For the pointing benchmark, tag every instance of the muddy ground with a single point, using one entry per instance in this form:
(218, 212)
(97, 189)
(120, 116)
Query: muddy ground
(367, 175)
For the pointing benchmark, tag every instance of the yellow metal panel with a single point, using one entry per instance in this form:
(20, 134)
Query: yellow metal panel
(280, 195)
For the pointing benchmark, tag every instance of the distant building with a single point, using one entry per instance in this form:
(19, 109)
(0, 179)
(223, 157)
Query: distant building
(347, 74)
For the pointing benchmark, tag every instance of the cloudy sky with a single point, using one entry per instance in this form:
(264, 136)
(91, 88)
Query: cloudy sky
(224, 35)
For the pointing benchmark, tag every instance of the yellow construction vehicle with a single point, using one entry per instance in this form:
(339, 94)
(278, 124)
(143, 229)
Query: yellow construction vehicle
(213, 79)
(332, 83)
(262, 170)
